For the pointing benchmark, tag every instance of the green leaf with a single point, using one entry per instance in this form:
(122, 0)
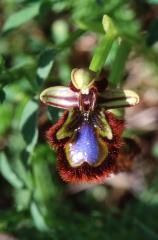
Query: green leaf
(42, 176)
(93, 26)
(118, 66)
(53, 114)
(145, 231)
(22, 198)
(45, 64)
(60, 31)
(152, 1)
(2, 62)
(21, 17)
(46, 58)
(153, 33)
(2, 95)
(155, 150)
(28, 124)
(8, 173)
(24, 174)
(38, 218)
(70, 40)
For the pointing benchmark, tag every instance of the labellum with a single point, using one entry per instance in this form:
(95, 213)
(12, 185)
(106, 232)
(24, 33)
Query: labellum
(87, 138)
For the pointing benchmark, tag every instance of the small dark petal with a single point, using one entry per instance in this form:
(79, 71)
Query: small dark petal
(128, 151)
(72, 87)
(51, 133)
(117, 125)
(102, 81)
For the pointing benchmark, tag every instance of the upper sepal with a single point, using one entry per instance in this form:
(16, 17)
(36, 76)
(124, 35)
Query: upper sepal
(82, 79)
(60, 97)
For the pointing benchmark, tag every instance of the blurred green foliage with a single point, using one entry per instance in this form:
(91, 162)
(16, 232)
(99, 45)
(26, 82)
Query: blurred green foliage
(37, 42)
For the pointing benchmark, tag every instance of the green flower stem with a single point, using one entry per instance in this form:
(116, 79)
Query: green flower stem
(118, 65)
(105, 45)
(102, 52)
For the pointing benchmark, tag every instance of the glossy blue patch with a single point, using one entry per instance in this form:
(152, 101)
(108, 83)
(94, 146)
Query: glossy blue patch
(85, 148)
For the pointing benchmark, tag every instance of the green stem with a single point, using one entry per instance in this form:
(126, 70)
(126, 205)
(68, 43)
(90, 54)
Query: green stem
(118, 65)
(102, 52)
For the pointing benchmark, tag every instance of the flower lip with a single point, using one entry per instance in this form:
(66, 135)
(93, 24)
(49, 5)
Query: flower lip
(86, 172)
(86, 146)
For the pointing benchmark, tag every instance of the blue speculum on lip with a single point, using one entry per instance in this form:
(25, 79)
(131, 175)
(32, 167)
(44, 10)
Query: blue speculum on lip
(86, 146)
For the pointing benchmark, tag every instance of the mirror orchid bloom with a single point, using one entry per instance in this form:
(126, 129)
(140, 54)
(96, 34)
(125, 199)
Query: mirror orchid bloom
(87, 138)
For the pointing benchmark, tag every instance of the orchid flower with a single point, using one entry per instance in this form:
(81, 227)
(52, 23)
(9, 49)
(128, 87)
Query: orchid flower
(87, 138)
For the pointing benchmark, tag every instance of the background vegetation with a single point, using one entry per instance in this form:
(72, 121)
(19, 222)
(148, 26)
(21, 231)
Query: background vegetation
(40, 42)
